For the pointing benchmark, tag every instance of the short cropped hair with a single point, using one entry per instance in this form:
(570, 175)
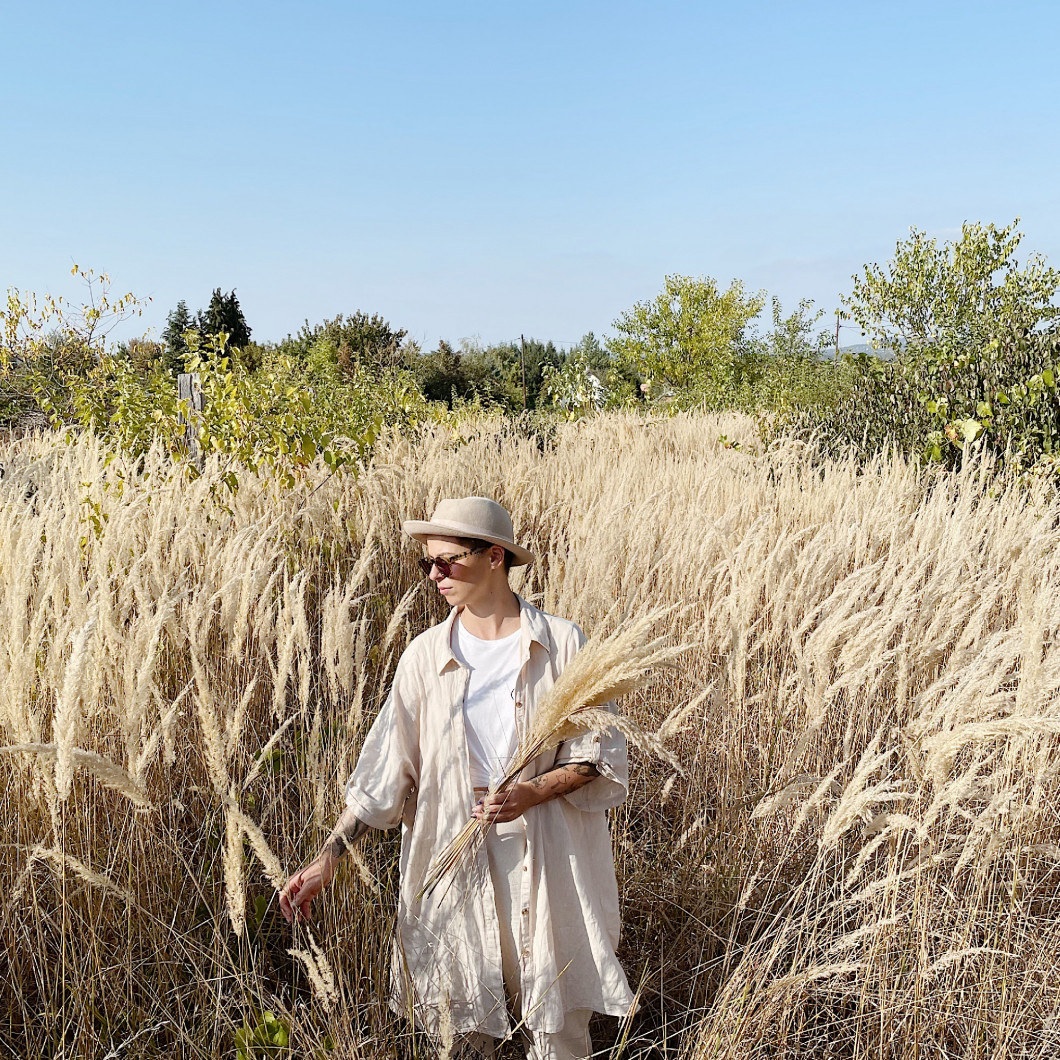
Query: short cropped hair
(477, 543)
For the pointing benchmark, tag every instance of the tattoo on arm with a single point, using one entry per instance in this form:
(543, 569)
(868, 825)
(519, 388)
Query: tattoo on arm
(583, 769)
(344, 836)
(564, 779)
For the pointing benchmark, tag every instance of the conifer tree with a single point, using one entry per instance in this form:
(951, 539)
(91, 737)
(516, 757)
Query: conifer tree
(224, 314)
(177, 323)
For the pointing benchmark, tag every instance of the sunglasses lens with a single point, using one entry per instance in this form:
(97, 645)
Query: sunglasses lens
(427, 564)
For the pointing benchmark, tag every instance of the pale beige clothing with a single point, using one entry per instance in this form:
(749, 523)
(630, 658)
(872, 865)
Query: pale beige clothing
(506, 853)
(413, 771)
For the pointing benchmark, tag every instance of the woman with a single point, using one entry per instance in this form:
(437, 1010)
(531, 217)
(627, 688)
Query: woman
(532, 921)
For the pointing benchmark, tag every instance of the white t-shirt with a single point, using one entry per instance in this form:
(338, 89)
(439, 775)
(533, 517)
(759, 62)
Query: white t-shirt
(489, 704)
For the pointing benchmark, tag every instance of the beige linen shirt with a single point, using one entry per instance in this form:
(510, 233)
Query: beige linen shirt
(413, 771)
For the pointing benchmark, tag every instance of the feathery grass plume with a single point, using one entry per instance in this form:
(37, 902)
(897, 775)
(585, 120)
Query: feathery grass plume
(363, 871)
(602, 670)
(232, 870)
(157, 737)
(59, 859)
(138, 676)
(107, 772)
(167, 723)
(258, 843)
(238, 719)
(319, 970)
(68, 722)
(400, 616)
(214, 743)
(291, 619)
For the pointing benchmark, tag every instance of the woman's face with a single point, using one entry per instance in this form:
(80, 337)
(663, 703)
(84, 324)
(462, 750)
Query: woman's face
(466, 574)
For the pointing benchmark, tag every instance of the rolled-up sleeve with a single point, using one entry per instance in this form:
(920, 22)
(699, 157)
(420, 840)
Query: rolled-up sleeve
(604, 750)
(388, 766)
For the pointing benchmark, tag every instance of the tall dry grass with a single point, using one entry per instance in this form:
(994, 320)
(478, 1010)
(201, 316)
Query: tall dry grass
(859, 860)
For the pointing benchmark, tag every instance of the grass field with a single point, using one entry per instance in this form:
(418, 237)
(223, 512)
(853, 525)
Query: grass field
(860, 860)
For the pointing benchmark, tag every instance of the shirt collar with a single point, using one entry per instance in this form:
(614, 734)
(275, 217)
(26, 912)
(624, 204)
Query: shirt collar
(532, 626)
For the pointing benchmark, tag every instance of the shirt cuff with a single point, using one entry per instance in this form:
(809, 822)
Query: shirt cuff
(372, 814)
(607, 752)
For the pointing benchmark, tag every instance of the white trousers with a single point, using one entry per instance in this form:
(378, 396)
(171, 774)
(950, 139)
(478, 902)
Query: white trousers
(505, 847)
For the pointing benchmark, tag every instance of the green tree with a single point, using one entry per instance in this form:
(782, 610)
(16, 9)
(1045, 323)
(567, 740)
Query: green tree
(793, 335)
(957, 295)
(690, 338)
(621, 383)
(493, 373)
(975, 352)
(224, 316)
(440, 374)
(359, 339)
(178, 323)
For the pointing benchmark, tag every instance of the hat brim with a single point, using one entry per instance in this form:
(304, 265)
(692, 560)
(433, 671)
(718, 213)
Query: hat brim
(421, 531)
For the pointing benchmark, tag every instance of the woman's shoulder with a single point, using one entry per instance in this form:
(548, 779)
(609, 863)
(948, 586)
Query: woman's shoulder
(563, 632)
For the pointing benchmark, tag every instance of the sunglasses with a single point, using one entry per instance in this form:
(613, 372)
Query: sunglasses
(444, 564)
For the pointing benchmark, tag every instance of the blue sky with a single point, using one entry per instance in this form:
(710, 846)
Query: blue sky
(475, 169)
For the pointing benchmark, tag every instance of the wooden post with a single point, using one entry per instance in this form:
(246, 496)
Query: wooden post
(522, 361)
(189, 391)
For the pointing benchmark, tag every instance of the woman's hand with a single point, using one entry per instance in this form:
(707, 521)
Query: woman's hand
(508, 803)
(512, 802)
(300, 890)
(307, 883)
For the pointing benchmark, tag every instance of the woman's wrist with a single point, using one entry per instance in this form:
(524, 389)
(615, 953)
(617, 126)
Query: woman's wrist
(562, 780)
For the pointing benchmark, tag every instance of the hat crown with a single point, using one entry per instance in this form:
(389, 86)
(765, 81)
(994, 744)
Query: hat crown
(480, 518)
(467, 513)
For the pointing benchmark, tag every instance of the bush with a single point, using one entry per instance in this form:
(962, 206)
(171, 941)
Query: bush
(975, 354)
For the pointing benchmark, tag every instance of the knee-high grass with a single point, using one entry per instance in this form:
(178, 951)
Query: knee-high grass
(860, 858)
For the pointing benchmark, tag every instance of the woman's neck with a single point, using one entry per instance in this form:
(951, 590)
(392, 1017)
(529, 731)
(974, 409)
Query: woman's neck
(496, 615)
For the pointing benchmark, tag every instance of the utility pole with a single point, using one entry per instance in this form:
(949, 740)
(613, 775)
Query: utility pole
(522, 361)
(837, 335)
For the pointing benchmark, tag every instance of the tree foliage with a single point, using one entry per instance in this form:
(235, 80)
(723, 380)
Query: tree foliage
(359, 340)
(223, 316)
(280, 418)
(975, 347)
(178, 323)
(959, 295)
(690, 337)
(44, 340)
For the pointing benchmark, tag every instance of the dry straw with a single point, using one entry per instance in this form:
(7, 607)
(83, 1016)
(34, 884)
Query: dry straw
(859, 854)
(604, 669)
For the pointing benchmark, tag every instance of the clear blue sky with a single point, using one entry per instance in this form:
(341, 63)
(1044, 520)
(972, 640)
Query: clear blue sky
(486, 169)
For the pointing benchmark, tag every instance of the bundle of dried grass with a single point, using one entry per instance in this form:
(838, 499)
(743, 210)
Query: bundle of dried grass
(576, 704)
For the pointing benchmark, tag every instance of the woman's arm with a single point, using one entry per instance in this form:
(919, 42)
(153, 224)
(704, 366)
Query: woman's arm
(307, 883)
(514, 801)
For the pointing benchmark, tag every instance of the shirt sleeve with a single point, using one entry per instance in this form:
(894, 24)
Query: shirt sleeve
(388, 766)
(606, 751)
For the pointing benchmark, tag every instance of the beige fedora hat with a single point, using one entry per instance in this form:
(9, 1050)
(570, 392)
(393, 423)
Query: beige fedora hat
(477, 517)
